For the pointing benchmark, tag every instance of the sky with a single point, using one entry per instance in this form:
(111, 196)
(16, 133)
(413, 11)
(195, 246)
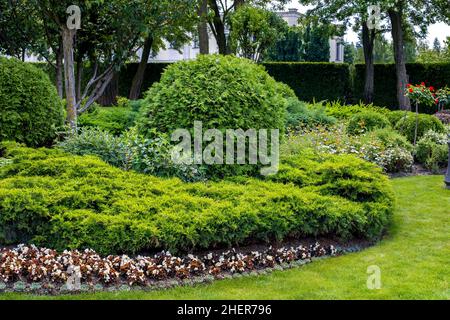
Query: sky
(439, 30)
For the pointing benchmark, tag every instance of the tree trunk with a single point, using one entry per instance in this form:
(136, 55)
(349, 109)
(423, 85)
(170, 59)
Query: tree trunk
(79, 77)
(136, 85)
(110, 93)
(203, 37)
(219, 28)
(59, 71)
(368, 37)
(399, 54)
(69, 77)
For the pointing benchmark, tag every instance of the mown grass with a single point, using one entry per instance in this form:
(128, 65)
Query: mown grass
(414, 259)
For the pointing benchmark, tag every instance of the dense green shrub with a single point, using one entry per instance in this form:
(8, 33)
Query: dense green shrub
(301, 114)
(131, 151)
(313, 81)
(367, 121)
(113, 119)
(395, 116)
(389, 138)
(407, 124)
(342, 111)
(383, 147)
(30, 109)
(224, 92)
(65, 201)
(432, 150)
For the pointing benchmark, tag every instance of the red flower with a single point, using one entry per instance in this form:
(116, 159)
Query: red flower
(409, 85)
(436, 101)
(431, 88)
(422, 83)
(411, 90)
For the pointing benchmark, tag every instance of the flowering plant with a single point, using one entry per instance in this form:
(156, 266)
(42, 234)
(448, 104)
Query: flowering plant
(421, 94)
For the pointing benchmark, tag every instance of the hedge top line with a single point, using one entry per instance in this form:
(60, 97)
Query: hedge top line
(315, 81)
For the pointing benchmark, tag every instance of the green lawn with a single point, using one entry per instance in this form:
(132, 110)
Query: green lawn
(414, 260)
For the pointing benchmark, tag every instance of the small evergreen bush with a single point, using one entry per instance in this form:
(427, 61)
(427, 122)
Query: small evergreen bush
(301, 114)
(30, 109)
(367, 121)
(432, 150)
(406, 125)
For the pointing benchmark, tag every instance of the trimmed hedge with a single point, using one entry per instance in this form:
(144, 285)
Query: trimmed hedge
(30, 109)
(313, 81)
(319, 81)
(63, 201)
(433, 74)
(152, 74)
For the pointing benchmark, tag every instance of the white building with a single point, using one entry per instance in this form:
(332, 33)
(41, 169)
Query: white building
(191, 50)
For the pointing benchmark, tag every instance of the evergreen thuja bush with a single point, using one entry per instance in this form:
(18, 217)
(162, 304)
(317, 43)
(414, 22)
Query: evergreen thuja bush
(224, 92)
(30, 109)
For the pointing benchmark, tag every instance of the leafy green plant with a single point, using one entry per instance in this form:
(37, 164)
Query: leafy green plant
(432, 150)
(407, 125)
(367, 121)
(383, 147)
(223, 92)
(345, 112)
(131, 151)
(301, 114)
(64, 201)
(112, 119)
(30, 109)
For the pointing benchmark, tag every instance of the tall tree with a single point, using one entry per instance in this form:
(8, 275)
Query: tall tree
(218, 17)
(316, 40)
(202, 29)
(288, 47)
(117, 26)
(343, 11)
(396, 17)
(254, 30)
(171, 20)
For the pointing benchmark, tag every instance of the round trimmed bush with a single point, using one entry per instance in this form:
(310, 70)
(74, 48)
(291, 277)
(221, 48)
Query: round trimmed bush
(406, 125)
(367, 121)
(432, 150)
(224, 92)
(30, 108)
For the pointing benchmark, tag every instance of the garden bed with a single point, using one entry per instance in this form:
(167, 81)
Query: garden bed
(62, 201)
(45, 271)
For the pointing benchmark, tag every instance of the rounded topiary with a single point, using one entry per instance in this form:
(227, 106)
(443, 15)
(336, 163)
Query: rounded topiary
(30, 109)
(224, 92)
(367, 121)
(406, 125)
